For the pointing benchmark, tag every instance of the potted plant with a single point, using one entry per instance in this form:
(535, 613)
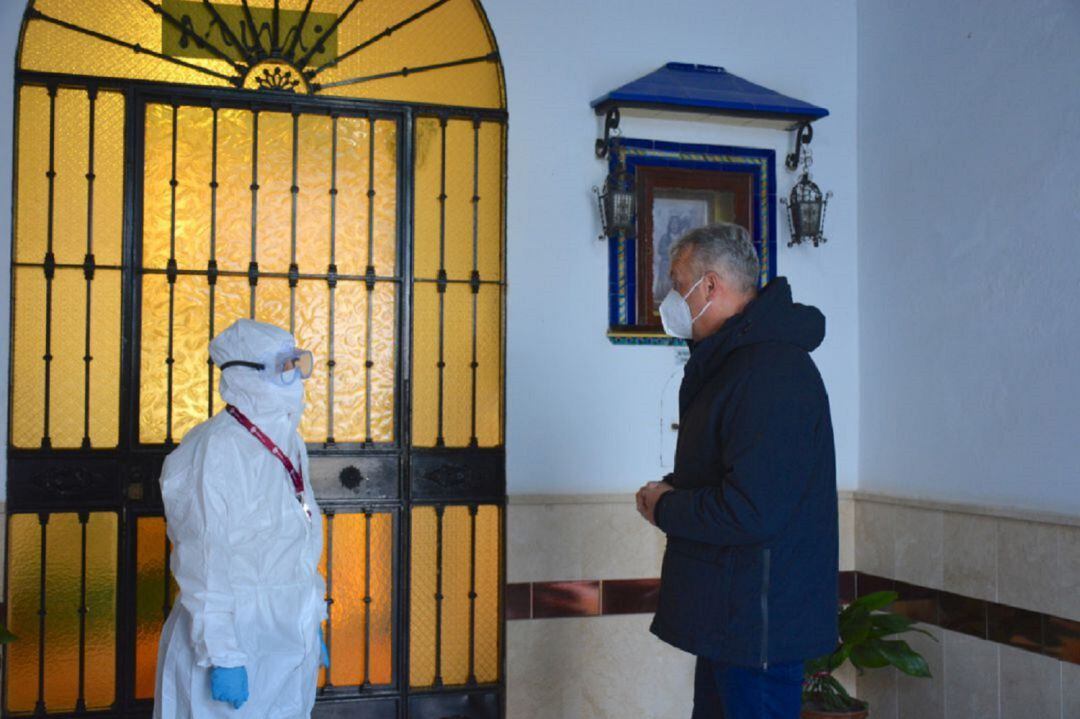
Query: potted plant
(866, 641)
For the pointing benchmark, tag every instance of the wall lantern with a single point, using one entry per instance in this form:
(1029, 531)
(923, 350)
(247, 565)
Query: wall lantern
(706, 90)
(806, 205)
(616, 201)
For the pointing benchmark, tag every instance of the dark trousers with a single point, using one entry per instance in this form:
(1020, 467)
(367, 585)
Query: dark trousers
(724, 691)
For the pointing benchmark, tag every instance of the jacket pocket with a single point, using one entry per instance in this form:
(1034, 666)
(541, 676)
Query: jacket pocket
(694, 593)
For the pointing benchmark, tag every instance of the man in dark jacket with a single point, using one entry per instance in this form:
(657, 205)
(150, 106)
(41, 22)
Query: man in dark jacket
(749, 579)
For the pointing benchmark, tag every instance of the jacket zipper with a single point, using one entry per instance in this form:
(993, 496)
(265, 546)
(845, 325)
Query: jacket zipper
(766, 560)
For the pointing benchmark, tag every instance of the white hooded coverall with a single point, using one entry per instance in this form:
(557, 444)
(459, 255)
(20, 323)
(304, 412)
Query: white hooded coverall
(245, 554)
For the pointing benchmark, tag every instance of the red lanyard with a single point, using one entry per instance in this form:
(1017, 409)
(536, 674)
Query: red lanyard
(294, 474)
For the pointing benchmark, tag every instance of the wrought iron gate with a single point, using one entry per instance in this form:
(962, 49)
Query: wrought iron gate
(150, 215)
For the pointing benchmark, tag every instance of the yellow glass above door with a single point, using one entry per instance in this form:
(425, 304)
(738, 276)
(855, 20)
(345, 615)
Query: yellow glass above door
(418, 51)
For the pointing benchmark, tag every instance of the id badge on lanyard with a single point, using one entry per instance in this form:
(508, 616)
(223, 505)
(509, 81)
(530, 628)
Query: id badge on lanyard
(294, 474)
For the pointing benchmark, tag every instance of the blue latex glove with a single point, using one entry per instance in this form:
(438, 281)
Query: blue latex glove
(324, 653)
(229, 684)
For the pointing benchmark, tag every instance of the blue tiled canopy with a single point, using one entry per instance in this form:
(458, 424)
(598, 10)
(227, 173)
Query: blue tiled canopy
(707, 89)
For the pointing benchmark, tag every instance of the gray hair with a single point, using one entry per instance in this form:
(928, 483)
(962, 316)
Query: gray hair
(724, 248)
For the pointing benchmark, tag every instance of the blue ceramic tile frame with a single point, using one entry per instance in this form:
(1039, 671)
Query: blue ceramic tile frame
(622, 260)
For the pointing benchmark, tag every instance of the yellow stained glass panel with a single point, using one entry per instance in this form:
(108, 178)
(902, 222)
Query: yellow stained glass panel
(350, 336)
(275, 192)
(152, 596)
(456, 569)
(49, 48)
(425, 376)
(312, 323)
(194, 138)
(490, 369)
(32, 198)
(353, 185)
(426, 211)
(423, 570)
(314, 159)
(27, 367)
(109, 178)
(62, 601)
(457, 353)
(453, 31)
(448, 33)
(234, 189)
(157, 198)
(455, 589)
(489, 581)
(348, 612)
(457, 374)
(490, 207)
(71, 163)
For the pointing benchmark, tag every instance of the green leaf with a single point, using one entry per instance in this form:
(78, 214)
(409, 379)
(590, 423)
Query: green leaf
(856, 630)
(886, 624)
(904, 658)
(868, 656)
(837, 658)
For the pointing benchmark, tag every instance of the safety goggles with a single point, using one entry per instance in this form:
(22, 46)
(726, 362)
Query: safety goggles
(283, 368)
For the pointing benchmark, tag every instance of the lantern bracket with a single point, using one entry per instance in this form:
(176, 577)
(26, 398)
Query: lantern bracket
(611, 125)
(804, 133)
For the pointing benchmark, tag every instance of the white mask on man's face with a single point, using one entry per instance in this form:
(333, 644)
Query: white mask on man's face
(675, 313)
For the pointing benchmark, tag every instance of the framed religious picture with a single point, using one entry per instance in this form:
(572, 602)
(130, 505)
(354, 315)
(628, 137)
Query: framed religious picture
(680, 188)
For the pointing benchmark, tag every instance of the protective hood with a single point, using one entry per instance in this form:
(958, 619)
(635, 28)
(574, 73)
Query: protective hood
(265, 403)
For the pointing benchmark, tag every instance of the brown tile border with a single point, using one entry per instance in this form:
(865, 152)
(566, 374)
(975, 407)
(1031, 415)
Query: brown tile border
(565, 599)
(1032, 631)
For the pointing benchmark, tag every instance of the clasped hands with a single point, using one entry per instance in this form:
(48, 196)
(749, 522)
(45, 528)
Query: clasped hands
(648, 496)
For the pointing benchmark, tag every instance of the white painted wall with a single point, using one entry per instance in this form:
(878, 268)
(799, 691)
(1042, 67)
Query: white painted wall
(583, 415)
(969, 204)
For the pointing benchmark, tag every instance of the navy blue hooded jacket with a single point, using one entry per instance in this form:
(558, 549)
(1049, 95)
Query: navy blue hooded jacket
(750, 571)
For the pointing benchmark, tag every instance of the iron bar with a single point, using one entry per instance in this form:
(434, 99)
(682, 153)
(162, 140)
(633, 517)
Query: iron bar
(406, 71)
(211, 269)
(254, 30)
(439, 510)
(332, 280)
(475, 286)
(66, 266)
(230, 36)
(440, 440)
(329, 635)
(171, 276)
(180, 272)
(275, 34)
(368, 362)
(185, 31)
(376, 38)
(299, 30)
(39, 708)
(80, 702)
(472, 594)
(366, 683)
(49, 267)
(88, 263)
(295, 196)
(34, 14)
(302, 62)
(253, 266)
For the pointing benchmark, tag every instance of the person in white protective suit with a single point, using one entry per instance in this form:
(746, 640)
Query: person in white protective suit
(244, 639)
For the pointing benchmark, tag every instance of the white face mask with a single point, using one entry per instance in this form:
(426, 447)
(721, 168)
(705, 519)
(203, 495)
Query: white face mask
(675, 313)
